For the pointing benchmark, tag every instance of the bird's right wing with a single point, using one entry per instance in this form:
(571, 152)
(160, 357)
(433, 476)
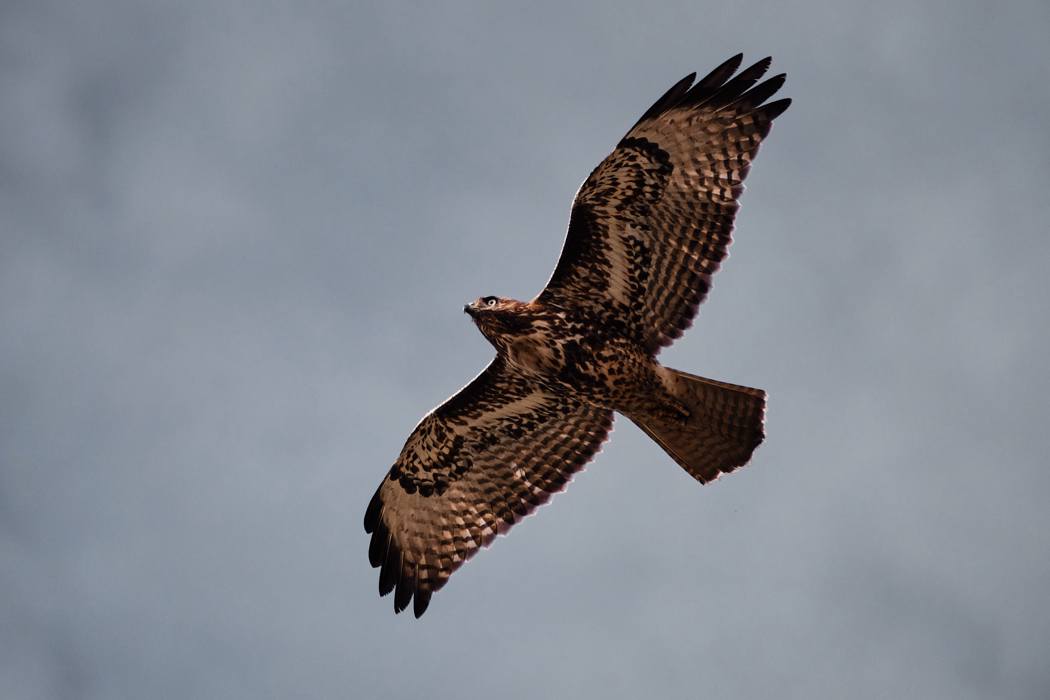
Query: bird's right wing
(473, 467)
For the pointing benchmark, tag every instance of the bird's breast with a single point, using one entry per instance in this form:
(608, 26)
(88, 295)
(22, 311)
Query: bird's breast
(534, 356)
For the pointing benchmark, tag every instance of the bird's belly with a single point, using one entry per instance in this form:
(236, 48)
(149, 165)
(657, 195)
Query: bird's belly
(609, 374)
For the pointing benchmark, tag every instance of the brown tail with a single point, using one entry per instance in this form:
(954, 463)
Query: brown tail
(723, 428)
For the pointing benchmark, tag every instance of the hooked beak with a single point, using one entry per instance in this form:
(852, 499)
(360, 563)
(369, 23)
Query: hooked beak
(469, 310)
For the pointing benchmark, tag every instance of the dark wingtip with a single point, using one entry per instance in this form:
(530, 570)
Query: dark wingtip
(668, 99)
(377, 548)
(763, 91)
(372, 512)
(775, 109)
(758, 68)
(391, 571)
(722, 73)
(403, 594)
(721, 85)
(741, 82)
(421, 601)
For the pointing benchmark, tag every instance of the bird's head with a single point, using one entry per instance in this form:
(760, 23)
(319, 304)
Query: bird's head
(499, 319)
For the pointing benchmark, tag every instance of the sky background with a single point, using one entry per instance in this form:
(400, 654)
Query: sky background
(235, 241)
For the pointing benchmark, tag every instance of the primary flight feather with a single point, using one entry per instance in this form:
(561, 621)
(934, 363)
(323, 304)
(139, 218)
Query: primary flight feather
(648, 229)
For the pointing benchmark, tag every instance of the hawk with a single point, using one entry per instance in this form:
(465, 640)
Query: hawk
(648, 229)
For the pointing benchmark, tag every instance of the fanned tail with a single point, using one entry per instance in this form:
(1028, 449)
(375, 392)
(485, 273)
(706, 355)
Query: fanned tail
(723, 427)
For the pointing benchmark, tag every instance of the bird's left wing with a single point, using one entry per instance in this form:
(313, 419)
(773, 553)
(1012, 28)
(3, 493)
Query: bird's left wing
(653, 222)
(473, 467)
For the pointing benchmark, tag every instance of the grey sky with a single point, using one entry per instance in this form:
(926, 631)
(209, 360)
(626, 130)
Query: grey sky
(234, 244)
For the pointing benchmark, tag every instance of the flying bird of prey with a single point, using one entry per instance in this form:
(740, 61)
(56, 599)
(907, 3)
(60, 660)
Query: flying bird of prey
(648, 229)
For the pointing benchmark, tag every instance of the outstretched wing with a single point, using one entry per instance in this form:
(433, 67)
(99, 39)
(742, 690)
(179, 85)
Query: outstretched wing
(653, 222)
(473, 467)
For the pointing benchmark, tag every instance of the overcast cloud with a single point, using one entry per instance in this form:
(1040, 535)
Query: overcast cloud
(235, 239)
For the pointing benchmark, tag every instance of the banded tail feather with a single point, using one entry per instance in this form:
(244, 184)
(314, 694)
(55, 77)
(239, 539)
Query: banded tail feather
(725, 424)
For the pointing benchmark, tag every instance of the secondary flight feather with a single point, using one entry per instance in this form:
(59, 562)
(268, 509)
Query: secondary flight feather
(648, 229)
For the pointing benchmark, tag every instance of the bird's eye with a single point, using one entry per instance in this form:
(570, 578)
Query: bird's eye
(490, 301)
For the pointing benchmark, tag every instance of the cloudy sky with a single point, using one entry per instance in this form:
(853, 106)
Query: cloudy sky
(235, 239)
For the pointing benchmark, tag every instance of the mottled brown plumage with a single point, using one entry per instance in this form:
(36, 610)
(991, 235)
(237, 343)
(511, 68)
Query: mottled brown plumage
(648, 229)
